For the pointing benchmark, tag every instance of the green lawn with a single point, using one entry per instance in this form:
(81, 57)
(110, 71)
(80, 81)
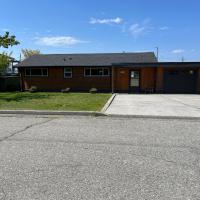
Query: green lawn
(52, 101)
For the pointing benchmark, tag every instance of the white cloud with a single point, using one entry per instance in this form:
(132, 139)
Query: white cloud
(58, 41)
(164, 28)
(178, 51)
(137, 29)
(117, 20)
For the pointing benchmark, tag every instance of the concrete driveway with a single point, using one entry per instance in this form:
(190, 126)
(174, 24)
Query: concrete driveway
(155, 105)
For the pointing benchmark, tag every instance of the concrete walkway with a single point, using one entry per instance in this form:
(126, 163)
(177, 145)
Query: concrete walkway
(155, 105)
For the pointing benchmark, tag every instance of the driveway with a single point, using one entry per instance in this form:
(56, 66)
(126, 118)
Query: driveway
(99, 158)
(155, 105)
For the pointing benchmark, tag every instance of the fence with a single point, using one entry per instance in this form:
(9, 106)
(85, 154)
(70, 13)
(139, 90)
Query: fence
(9, 83)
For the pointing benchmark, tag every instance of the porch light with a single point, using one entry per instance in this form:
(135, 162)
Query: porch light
(191, 72)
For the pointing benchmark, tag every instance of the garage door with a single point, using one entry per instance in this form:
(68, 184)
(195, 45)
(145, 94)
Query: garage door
(180, 81)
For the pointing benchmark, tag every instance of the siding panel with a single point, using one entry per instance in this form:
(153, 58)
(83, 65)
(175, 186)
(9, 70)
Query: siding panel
(56, 81)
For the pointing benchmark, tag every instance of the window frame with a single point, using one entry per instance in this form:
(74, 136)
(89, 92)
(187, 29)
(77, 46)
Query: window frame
(42, 75)
(71, 72)
(101, 68)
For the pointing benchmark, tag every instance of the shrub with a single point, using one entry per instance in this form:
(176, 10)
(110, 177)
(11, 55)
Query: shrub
(33, 89)
(66, 90)
(93, 90)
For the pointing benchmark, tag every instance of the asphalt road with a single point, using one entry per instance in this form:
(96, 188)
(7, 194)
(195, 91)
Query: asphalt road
(90, 158)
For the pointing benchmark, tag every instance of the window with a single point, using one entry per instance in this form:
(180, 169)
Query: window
(106, 72)
(97, 72)
(36, 72)
(45, 72)
(135, 79)
(135, 74)
(28, 72)
(87, 72)
(68, 72)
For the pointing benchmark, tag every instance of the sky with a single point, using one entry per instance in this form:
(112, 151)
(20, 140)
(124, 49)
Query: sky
(103, 26)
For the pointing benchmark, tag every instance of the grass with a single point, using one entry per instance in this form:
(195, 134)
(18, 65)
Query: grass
(52, 101)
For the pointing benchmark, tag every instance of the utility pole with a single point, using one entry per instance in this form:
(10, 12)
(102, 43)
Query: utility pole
(20, 57)
(157, 52)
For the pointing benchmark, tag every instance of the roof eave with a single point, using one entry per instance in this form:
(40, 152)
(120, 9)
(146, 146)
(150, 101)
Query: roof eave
(157, 64)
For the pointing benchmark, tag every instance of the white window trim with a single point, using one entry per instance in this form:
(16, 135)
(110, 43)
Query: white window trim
(90, 68)
(68, 72)
(37, 75)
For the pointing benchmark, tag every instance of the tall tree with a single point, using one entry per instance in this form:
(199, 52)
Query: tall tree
(8, 40)
(5, 60)
(28, 52)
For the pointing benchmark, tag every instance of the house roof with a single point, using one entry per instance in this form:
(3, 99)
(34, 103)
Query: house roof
(95, 60)
(160, 64)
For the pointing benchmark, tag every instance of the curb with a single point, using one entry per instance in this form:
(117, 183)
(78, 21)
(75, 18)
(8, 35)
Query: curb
(44, 112)
(103, 110)
(152, 117)
(93, 114)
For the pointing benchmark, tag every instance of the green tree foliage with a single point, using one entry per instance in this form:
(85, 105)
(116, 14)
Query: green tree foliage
(4, 62)
(28, 52)
(8, 40)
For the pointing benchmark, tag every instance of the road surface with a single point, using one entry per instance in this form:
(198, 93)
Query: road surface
(98, 158)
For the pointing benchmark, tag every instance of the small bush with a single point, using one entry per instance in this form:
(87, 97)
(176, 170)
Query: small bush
(66, 90)
(93, 90)
(33, 89)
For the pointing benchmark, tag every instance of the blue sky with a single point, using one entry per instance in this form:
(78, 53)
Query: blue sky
(88, 26)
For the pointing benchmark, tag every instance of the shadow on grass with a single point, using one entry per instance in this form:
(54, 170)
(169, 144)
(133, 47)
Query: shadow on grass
(22, 96)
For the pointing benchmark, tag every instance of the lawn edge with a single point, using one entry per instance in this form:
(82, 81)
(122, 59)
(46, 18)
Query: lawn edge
(46, 112)
(108, 103)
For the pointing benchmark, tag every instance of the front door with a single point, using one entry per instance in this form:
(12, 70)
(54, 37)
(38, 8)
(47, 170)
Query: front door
(135, 81)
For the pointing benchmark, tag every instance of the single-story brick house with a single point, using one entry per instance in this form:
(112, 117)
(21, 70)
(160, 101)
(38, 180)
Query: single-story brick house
(116, 72)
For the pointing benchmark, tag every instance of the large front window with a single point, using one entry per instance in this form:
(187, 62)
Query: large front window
(68, 72)
(97, 71)
(36, 72)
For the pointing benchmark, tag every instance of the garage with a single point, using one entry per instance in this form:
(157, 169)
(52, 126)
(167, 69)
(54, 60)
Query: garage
(180, 81)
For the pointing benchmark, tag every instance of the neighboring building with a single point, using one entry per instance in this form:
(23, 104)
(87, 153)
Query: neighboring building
(10, 80)
(10, 68)
(116, 72)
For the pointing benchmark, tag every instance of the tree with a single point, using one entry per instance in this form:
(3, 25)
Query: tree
(5, 60)
(28, 52)
(6, 40)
